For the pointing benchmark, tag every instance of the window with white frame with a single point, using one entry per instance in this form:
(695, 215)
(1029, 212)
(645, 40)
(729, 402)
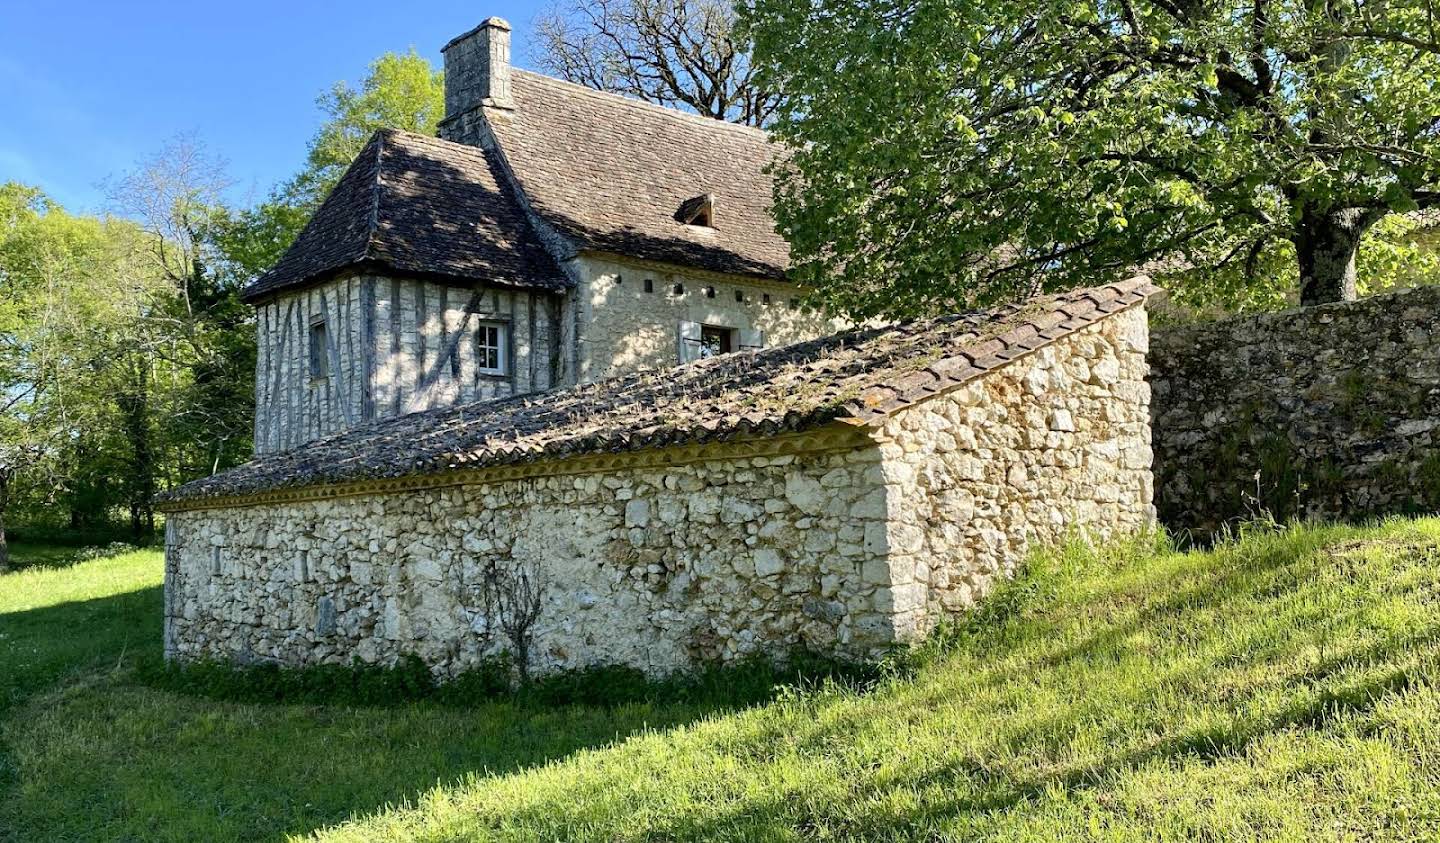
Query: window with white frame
(490, 348)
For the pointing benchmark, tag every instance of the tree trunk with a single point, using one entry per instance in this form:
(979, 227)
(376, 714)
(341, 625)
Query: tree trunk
(134, 404)
(4, 505)
(1326, 243)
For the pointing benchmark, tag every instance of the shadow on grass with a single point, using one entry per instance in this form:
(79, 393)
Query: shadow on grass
(93, 748)
(1270, 671)
(26, 555)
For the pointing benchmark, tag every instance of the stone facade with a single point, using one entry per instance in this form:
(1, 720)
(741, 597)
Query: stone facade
(844, 539)
(1055, 444)
(398, 346)
(631, 314)
(1324, 412)
(392, 346)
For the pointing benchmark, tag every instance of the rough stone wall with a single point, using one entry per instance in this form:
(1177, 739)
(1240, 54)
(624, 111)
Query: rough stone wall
(1057, 442)
(844, 544)
(1329, 411)
(623, 327)
(653, 567)
(396, 346)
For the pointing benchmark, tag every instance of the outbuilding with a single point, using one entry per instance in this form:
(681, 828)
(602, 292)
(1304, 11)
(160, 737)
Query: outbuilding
(841, 494)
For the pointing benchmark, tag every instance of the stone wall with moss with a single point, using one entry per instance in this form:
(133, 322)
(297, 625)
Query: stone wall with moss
(1323, 412)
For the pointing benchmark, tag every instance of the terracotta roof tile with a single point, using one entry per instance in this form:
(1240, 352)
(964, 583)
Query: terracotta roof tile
(858, 376)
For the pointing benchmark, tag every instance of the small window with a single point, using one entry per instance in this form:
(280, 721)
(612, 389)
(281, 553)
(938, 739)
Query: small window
(697, 211)
(764, 298)
(740, 296)
(709, 292)
(678, 289)
(490, 348)
(715, 341)
(649, 285)
(319, 351)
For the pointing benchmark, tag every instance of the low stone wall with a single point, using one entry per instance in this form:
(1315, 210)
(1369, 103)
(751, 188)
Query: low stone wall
(655, 567)
(843, 539)
(1324, 412)
(1058, 443)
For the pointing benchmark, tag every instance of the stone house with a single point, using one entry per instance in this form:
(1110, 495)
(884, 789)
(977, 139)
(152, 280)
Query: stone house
(540, 386)
(551, 236)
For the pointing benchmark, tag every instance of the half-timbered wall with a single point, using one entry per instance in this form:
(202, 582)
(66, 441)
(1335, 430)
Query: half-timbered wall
(393, 346)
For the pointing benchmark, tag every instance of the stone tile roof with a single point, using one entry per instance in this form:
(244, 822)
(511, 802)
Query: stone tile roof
(421, 206)
(858, 376)
(611, 173)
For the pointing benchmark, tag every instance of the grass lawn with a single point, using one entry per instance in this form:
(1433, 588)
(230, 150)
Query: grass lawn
(1286, 686)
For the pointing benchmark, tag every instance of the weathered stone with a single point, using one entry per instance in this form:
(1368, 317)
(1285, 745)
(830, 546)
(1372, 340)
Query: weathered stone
(1320, 412)
(325, 617)
(843, 550)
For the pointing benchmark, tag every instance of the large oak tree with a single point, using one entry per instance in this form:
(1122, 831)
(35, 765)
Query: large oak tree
(946, 152)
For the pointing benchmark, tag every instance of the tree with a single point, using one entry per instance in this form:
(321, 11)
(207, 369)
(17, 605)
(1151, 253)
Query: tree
(401, 91)
(945, 153)
(62, 282)
(685, 53)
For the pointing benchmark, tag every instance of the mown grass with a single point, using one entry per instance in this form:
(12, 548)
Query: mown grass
(1279, 687)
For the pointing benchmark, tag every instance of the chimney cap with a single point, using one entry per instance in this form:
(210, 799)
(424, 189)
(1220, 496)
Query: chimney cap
(492, 22)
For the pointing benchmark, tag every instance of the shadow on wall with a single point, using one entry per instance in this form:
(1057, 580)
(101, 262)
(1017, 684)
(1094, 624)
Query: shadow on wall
(1327, 412)
(636, 313)
(83, 735)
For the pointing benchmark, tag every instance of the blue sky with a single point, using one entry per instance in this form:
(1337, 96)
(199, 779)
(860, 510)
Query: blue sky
(88, 88)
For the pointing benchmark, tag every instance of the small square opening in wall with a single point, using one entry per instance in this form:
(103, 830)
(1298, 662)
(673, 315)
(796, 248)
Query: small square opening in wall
(764, 298)
(649, 285)
(740, 296)
(709, 292)
(678, 289)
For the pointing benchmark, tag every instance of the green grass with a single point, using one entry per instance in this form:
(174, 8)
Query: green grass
(1286, 686)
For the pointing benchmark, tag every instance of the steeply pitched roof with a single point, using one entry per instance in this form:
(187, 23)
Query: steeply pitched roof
(421, 206)
(611, 173)
(858, 376)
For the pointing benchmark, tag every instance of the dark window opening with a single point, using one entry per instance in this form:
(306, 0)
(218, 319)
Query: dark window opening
(740, 296)
(765, 298)
(698, 210)
(679, 289)
(649, 285)
(319, 351)
(709, 292)
(715, 341)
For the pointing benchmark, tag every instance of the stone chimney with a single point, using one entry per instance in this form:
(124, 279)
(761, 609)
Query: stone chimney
(477, 69)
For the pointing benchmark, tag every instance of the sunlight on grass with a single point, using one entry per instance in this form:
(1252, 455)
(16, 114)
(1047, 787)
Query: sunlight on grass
(1282, 687)
(40, 586)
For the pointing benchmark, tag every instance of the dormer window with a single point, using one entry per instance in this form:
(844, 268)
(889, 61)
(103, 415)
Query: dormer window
(699, 211)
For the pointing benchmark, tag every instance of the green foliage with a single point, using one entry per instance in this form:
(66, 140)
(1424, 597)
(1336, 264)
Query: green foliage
(752, 681)
(945, 154)
(401, 91)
